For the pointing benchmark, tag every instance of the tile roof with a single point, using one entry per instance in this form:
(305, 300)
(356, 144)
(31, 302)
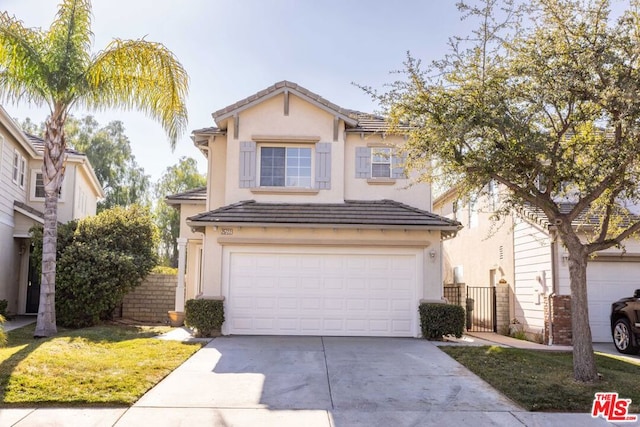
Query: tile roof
(584, 219)
(371, 123)
(28, 208)
(194, 195)
(38, 144)
(353, 213)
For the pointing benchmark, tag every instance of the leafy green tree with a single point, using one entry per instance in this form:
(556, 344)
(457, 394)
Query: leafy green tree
(100, 259)
(176, 179)
(544, 100)
(109, 151)
(56, 68)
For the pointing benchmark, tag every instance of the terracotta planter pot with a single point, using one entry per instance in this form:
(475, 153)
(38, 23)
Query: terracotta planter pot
(176, 318)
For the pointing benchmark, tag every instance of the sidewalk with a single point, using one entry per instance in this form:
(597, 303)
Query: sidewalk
(178, 415)
(18, 322)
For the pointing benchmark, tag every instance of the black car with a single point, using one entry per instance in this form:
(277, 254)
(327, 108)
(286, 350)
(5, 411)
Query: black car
(625, 324)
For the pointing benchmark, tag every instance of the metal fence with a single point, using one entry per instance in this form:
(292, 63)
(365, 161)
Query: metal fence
(480, 305)
(453, 294)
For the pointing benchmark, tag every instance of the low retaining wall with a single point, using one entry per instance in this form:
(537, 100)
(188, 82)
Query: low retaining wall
(150, 301)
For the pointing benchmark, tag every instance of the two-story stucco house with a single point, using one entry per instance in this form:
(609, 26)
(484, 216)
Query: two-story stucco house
(22, 203)
(524, 250)
(310, 225)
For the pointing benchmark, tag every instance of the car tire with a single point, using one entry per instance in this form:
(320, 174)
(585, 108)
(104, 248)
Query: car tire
(622, 338)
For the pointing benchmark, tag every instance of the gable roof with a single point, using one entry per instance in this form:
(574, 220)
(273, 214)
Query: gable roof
(193, 196)
(351, 213)
(281, 87)
(38, 144)
(584, 219)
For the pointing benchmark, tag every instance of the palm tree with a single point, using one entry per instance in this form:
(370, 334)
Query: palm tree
(56, 68)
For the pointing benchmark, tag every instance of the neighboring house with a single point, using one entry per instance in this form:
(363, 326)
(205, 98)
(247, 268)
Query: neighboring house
(22, 204)
(524, 250)
(310, 225)
(190, 203)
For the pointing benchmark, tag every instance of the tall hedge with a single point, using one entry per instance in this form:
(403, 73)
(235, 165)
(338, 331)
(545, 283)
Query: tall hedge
(100, 259)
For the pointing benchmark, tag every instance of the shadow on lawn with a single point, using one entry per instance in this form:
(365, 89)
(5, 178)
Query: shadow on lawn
(22, 339)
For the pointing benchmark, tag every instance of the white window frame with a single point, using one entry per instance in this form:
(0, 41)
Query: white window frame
(1, 151)
(473, 211)
(22, 181)
(15, 166)
(389, 161)
(34, 181)
(286, 147)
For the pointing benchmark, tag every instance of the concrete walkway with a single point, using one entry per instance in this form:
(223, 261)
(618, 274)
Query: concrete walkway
(312, 381)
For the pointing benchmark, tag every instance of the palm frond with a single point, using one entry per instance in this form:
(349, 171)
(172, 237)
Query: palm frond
(68, 47)
(21, 62)
(142, 75)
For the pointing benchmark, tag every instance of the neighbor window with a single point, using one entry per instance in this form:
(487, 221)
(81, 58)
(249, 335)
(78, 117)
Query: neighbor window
(285, 167)
(16, 167)
(19, 169)
(381, 163)
(37, 186)
(39, 191)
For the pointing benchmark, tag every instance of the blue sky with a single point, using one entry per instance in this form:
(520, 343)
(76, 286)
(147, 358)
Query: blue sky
(234, 48)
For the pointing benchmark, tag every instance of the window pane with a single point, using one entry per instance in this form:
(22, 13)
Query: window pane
(380, 171)
(39, 186)
(381, 155)
(16, 160)
(272, 161)
(298, 167)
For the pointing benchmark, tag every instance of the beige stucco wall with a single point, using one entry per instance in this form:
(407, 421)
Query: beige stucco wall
(304, 120)
(187, 210)
(478, 249)
(267, 118)
(408, 191)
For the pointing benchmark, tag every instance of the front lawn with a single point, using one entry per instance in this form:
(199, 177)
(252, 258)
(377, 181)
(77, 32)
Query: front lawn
(103, 365)
(543, 380)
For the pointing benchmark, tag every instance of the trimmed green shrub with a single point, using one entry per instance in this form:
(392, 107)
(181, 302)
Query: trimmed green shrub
(204, 315)
(3, 334)
(3, 307)
(103, 258)
(437, 320)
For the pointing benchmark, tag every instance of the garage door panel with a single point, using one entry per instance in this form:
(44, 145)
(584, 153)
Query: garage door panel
(329, 294)
(607, 283)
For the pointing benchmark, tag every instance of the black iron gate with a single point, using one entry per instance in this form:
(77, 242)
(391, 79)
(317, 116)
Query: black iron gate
(480, 306)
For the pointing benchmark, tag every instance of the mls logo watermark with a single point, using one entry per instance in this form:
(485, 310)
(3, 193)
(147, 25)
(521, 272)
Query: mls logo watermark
(610, 407)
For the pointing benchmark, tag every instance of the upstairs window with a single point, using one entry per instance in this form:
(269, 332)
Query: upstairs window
(381, 163)
(276, 166)
(37, 187)
(19, 169)
(39, 184)
(16, 167)
(285, 167)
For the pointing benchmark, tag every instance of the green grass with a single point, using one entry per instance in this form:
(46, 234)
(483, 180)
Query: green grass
(103, 365)
(543, 380)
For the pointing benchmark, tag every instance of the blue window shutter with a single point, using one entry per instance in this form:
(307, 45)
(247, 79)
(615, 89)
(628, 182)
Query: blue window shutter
(248, 164)
(363, 162)
(323, 165)
(398, 159)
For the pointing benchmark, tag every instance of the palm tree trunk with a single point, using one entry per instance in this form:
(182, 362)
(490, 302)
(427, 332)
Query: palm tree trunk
(584, 364)
(52, 174)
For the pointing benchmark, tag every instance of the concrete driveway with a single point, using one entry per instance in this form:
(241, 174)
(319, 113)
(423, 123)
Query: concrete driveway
(321, 381)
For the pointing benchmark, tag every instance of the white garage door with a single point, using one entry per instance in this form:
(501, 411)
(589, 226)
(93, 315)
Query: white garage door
(334, 291)
(608, 282)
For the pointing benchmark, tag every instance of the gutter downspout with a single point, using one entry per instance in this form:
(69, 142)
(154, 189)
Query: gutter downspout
(554, 279)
